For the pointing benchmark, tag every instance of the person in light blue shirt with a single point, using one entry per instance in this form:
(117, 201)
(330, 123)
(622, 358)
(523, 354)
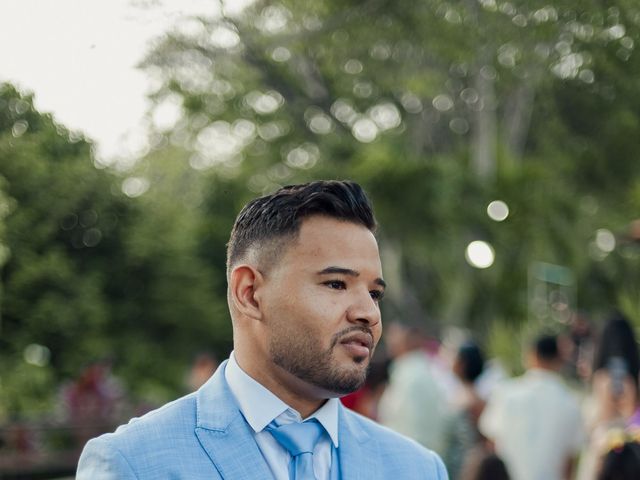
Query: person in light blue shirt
(304, 286)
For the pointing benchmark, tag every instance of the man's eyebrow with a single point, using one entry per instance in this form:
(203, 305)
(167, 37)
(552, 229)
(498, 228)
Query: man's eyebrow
(340, 270)
(350, 272)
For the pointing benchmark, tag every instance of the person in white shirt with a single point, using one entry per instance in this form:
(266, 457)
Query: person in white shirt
(414, 402)
(534, 420)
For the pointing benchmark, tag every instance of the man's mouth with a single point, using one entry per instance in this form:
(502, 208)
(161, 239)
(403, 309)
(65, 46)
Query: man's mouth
(359, 344)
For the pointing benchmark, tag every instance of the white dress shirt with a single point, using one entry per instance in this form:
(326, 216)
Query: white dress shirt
(536, 424)
(414, 402)
(260, 407)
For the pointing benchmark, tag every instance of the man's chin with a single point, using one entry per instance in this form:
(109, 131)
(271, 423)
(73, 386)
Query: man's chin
(350, 379)
(353, 356)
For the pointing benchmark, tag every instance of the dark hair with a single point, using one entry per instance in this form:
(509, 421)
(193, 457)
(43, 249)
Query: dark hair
(491, 467)
(618, 340)
(621, 463)
(472, 361)
(278, 216)
(546, 347)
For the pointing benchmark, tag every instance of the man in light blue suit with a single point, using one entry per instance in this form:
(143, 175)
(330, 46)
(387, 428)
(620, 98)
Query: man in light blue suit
(304, 286)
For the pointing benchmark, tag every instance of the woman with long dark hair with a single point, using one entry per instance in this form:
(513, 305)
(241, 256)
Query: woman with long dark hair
(614, 403)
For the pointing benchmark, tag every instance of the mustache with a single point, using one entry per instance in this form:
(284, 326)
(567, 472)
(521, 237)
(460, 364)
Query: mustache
(356, 328)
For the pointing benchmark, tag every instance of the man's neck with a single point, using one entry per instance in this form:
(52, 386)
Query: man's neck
(297, 394)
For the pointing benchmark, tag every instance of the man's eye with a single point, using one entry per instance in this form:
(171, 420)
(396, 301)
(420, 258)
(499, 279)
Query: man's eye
(376, 295)
(336, 284)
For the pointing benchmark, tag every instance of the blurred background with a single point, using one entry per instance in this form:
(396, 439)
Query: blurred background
(497, 139)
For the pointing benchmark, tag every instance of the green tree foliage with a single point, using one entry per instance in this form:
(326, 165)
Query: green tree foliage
(90, 273)
(59, 230)
(437, 108)
(171, 281)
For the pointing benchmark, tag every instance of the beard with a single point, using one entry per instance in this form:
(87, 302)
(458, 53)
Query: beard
(300, 356)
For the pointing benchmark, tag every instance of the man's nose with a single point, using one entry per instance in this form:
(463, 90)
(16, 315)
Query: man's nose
(364, 309)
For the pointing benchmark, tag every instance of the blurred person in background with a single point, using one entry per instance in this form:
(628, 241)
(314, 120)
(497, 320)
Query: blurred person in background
(534, 420)
(365, 400)
(304, 285)
(581, 336)
(613, 403)
(204, 365)
(485, 466)
(493, 374)
(414, 402)
(462, 434)
(94, 402)
(615, 375)
(621, 460)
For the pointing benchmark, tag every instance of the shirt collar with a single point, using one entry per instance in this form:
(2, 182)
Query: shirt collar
(260, 407)
(542, 373)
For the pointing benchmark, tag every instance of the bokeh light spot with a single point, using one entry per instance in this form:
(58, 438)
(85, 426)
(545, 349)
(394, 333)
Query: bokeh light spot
(304, 157)
(37, 355)
(135, 186)
(480, 254)
(364, 130)
(19, 128)
(498, 210)
(386, 116)
(224, 37)
(443, 102)
(411, 103)
(343, 111)
(91, 237)
(167, 113)
(605, 240)
(264, 103)
(459, 126)
(353, 66)
(280, 54)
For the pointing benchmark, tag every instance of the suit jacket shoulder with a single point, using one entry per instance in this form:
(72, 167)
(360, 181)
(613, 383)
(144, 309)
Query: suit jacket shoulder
(204, 436)
(145, 445)
(200, 436)
(385, 453)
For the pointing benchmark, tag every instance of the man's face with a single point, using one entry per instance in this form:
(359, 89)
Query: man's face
(320, 305)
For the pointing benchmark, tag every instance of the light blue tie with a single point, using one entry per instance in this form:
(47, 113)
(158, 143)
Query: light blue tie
(299, 439)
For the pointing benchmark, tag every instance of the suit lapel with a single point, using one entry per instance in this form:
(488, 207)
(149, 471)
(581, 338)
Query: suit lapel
(225, 435)
(230, 444)
(357, 453)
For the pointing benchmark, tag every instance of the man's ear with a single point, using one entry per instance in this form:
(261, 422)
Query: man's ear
(243, 282)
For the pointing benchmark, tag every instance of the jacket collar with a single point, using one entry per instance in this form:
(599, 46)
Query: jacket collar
(358, 453)
(224, 434)
(230, 444)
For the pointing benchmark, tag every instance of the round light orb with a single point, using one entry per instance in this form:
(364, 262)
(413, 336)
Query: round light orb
(479, 254)
(37, 355)
(605, 240)
(498, 210)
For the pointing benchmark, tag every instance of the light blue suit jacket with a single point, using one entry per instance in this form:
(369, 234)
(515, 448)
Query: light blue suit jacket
(204, 436)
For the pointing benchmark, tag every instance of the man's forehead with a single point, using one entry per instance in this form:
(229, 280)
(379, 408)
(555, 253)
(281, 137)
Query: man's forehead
(326, 242)
(334, 235)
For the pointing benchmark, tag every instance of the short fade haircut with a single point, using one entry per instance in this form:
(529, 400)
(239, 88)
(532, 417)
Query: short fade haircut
(272, 221)
(472, 360)
(546, 347)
